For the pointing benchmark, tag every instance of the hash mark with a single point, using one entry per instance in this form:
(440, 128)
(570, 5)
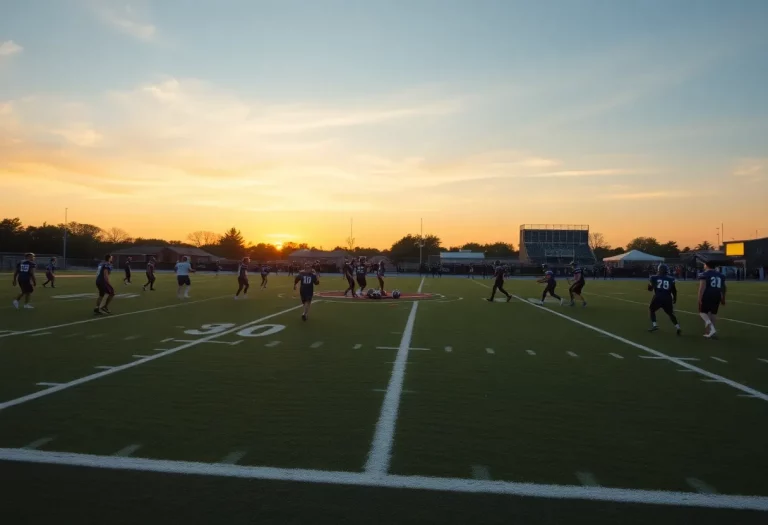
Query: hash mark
(448, 349)
(272, 344)
(700, 487)
(572, 354)
(617, 356)
(127, 451)
(587, 479)
(47, 384)
(104, 367)
(317, 344)
(490, 350)
(718, 359)
(358, 346)
(531, 352)
(40, 334)
(480, 472)
(38, 443)
(233, 457)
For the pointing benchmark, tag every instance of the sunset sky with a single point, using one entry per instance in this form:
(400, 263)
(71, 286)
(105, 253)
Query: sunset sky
(287, 118)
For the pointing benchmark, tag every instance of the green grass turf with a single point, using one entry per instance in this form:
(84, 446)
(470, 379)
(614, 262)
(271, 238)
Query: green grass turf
(632, 422)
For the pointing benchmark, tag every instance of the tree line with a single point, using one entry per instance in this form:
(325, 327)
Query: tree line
(87, 241)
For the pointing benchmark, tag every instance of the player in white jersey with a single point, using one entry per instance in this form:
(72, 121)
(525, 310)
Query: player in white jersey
(183, 269)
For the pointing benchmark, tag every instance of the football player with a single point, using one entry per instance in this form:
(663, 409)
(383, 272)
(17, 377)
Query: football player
(664, 296)
(25, 276)
(380, 276)
(104, 286)
(150, 275)
(499, 284)
(127, 279)
(308, 279)
(577, 285)
(50, 273)
(265, 269)
(349, 276)
(183, 269)
(361, 272)
(711, 296)
(549, 278)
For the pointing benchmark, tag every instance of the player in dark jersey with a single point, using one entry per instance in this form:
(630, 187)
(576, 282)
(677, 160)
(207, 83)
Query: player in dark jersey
(242, 278)
(380, 269)
(577, 285)
(499, 284)
(711, 296)
(349, 273)
(104, 286)
(50, 273)
(471, 271)
(127, 279)
(265, 275)
(549, 278)
(218, 268)
(664, 296)
(308, 279)
(361, 271)
(24, 275)
(150, 275)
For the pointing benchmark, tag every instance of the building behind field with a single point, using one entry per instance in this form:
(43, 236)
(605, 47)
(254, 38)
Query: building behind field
(751, 254)
(555, 244)
(164, 255)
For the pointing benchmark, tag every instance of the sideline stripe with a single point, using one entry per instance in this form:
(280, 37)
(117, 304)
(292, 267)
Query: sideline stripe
(683, 311)
(683, 364)
(473, 486)
(113, 316)
(115, 369)
(380, 453)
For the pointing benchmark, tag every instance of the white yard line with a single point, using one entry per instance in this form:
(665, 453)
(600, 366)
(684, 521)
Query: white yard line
(663, 358)
(763, 360)
(40, 334)
(380, 453)
(683, 311)
(47, 384)
(139, 356)
(113, 316)
(115, 369)
(683, 364)
(457, 485)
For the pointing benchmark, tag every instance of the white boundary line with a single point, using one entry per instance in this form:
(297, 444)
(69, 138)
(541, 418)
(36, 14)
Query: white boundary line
(683, 364)
(113, 316)
(115, 369)
(472, 486)
(380, 453)
(683, 311)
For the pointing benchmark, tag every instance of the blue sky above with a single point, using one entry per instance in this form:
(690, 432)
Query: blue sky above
(555, 111)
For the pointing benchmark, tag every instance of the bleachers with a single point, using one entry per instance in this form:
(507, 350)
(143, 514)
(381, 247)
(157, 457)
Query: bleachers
(555, 244)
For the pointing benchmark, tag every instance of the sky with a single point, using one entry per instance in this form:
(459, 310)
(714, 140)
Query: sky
(289, 118)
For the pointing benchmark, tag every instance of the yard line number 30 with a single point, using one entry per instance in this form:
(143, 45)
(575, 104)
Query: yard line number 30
(259, 330)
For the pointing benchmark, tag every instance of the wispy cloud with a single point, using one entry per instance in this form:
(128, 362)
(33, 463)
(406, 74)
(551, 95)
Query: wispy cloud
(79, 135)
(583, 173)
(643, 195)
(9, 47)
(753, 168)
(127, 21)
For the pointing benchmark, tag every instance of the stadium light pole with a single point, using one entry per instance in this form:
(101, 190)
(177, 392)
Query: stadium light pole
(66, 228)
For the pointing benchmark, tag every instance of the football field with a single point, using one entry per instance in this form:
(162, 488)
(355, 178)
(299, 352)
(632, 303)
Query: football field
(442, 409)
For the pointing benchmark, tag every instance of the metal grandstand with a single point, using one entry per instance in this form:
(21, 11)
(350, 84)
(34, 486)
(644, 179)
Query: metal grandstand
(555, 244)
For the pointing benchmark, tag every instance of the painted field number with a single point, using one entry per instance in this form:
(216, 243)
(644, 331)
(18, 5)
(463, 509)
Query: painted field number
(259, 330)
